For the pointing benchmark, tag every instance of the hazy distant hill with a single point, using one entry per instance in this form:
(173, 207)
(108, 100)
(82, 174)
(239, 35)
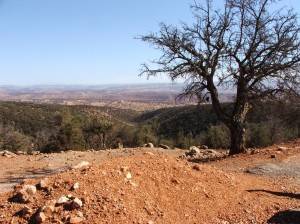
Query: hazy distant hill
(135, 92)
(128, 96)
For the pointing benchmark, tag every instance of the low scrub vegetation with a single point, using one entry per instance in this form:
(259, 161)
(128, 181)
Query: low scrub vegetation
(53, 128)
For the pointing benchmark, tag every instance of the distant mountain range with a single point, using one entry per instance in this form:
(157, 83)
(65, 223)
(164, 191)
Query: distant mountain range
(101, 95)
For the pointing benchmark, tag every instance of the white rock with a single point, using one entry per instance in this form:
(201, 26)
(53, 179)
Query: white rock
(149, 145)
(195, 148)
(23, 195)
(43, 183)
(62, 200)
(41, 217)
(133, 184)
(30, 189)
(79, 214)
(26, 192)
(128, 175)
(281, 148)
(51, 202)
(164, 146)
(193, 151)
(21, 153)
(8, 154)
(149, 153)
(77, 203)
(75, 186)
(70, 196)
(81, 164)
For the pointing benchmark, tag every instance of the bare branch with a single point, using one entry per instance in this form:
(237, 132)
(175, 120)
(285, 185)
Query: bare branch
(246, 44)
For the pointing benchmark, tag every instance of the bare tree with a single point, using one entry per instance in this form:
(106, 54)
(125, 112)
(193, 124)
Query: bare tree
(246, 46)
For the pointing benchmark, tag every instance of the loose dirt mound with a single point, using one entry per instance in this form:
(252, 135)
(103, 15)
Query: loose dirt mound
(15, 169)
(152, 188)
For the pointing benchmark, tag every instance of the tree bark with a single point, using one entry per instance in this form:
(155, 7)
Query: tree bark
(238, 139)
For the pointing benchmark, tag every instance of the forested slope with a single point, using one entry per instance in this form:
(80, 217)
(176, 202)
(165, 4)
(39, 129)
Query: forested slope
(28, 126)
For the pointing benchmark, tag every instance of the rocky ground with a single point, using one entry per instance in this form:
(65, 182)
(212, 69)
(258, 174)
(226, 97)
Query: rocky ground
(150, 186)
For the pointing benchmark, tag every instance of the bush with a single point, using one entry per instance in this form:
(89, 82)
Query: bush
(217, 137)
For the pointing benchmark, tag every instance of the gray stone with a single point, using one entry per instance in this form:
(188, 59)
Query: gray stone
(264, 169)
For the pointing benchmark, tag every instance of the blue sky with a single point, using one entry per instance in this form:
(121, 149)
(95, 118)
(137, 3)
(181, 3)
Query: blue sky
(82, 41)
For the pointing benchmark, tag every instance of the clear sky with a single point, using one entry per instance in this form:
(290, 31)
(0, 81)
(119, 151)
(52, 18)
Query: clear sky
(82, 41)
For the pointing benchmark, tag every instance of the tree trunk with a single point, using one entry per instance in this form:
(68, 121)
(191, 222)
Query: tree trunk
(238, 139)
(235, 120)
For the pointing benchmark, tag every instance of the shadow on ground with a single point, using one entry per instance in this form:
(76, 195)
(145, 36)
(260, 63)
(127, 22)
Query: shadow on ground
(29, 174)
(282, 194)
(286, 217)
(291, 216)
(205, 160)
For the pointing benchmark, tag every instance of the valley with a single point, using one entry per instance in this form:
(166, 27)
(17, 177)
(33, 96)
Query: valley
(139, 97)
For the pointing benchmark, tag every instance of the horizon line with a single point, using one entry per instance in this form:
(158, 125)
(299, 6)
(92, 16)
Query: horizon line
(105, 84)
